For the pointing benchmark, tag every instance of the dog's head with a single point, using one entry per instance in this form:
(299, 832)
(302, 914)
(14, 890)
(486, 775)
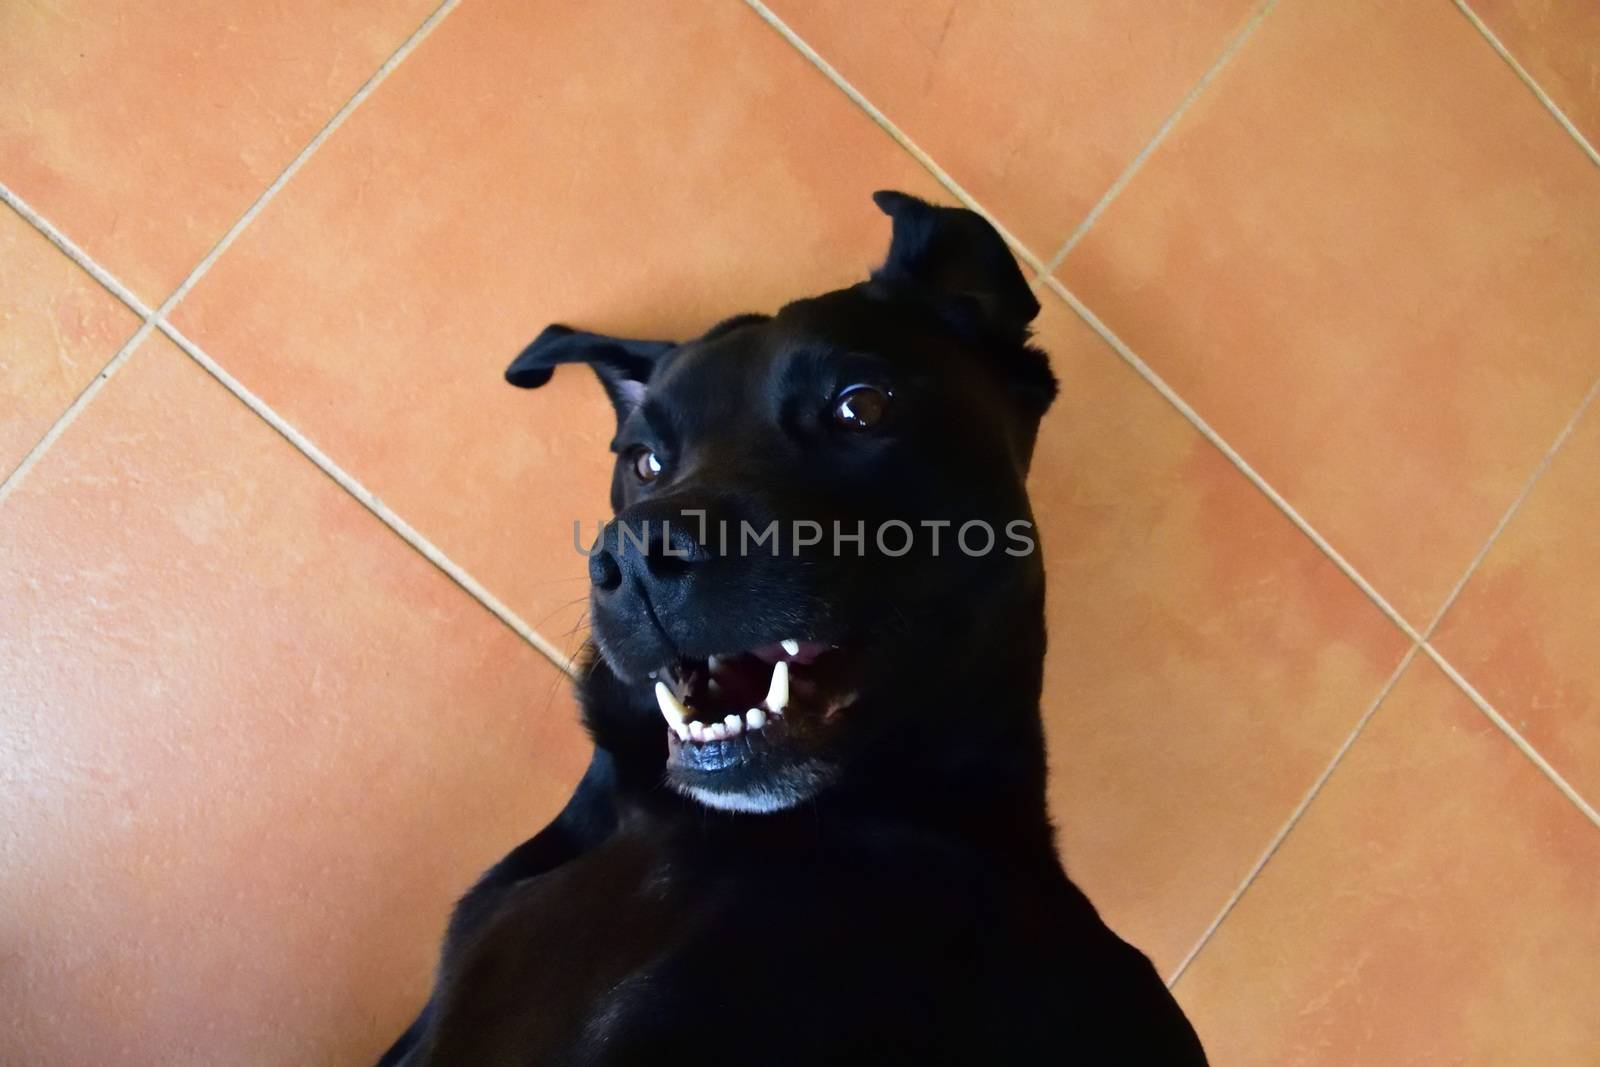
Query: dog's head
(822, 552)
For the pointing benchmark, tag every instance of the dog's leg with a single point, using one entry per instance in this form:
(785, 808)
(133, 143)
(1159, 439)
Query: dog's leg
(588, 819)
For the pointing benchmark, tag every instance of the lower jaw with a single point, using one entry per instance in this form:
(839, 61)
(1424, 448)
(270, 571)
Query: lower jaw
(746, 783)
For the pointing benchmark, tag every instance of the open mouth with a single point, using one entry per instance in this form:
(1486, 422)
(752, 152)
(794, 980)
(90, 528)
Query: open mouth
(763, 691)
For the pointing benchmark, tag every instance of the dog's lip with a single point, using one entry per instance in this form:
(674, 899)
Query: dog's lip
(732, 695)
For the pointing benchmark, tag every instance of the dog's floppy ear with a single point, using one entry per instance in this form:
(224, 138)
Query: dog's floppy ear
(623, 366)
(955, 253)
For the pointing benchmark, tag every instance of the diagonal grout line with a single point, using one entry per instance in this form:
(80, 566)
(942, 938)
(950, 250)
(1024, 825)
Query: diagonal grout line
(1478, 700)
(1294, 816)
(408, 533)
(1516, 505)
(1145, 371)
(1090, 317)
(70, 248)
(1511, 732)
(1022, 251)
(1148, 374)
(1527, 79)
(115, 287)
(1044, 273)
(367, 87)
(155, 320)
(74, 409)
(1228, 52)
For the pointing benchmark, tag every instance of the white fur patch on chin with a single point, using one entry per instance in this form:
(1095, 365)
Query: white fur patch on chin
(759, 802)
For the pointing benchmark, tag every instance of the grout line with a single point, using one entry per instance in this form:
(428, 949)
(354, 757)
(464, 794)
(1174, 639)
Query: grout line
(1228, 52)
(1199, 423)
(1516, 505)
(1516, 738)
(70, 248)
(74, 409)
(408, 533)
(115, 287)
(1510, 731)
(1044, 273)
(1078, 306)
(1527, 79)
(367, 87)
(1022, 251)
(1083, 311)
(72, 251)
(1294, 816)
(155, 320)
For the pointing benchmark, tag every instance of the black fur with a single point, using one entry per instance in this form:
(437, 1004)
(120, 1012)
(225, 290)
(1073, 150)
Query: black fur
(906, 904)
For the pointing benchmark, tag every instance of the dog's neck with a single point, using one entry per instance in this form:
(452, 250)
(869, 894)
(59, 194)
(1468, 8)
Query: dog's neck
(976, 760)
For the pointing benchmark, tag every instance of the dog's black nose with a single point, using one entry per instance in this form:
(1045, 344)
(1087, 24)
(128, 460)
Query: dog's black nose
(652, 551)
(669, 575)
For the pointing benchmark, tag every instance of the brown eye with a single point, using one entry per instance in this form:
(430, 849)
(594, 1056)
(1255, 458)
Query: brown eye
(647, 465)
(860, 407)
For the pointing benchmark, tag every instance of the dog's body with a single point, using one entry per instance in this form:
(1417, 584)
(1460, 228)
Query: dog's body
(859, 868)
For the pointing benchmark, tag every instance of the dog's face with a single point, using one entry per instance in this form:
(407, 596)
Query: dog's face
(816, 513)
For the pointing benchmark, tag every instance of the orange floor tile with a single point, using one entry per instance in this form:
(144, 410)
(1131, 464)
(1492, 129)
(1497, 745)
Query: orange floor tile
(1411, 919)
(147, 129)
(1557, 42)
(1339, 274)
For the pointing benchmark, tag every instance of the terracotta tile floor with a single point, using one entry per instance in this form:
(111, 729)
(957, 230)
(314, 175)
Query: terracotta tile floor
(1322, 282)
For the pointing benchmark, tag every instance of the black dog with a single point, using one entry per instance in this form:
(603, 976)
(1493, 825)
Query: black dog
(836, 849)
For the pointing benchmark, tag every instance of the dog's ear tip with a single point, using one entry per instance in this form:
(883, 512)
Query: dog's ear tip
(616, 360)
(532, 368)
(523, 376)
(891, 201)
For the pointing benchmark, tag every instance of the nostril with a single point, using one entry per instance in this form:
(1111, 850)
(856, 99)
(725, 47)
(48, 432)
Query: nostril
(604, 574)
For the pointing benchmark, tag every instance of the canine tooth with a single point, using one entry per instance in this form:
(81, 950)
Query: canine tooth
(734, 724)
(716, 732)
(672, 708)
(778, 691)
(790, 646)
(681, 730)
(755, 718)
(697, 730)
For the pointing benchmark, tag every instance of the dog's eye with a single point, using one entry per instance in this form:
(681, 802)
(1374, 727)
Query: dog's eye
(860, 407)
(646, 464)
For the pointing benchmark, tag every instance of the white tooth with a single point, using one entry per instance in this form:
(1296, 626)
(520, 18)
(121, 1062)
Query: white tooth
(672, 708)
(734, 724)
(755, 718)
(716, 732)
(681, 730)
(778, 691)
(713, 687)
(712, 663)
(790, 646)
(697, 730)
